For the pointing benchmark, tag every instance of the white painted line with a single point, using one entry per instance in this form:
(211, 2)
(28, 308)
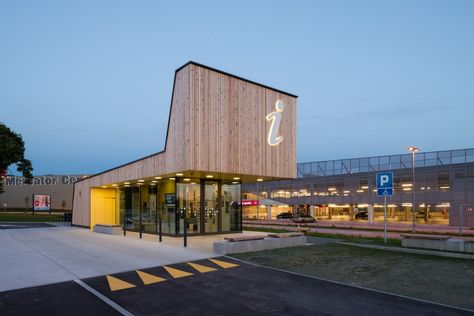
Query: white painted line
(352, 285)
(105, 299)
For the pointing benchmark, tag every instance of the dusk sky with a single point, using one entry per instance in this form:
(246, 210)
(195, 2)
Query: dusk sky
(88, 83)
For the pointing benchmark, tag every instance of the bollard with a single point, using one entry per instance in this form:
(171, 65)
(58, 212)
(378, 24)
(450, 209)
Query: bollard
(161, 232)
(141, 225)
(185, 232)
(125, 224)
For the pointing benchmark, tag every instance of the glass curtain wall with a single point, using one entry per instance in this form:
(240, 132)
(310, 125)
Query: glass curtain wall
(209, 206)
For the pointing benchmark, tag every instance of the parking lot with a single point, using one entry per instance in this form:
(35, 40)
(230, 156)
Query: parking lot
(68, 270)
(215, 286)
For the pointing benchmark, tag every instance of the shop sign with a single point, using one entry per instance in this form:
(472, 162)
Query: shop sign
(275, 117)
(43, 180)
(250, 203)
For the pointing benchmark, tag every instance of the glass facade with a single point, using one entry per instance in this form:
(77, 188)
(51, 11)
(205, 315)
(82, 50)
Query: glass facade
(208, 206)
(340, 189)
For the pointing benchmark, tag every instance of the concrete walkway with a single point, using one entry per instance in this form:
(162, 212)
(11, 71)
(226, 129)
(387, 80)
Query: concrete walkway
(38, 256)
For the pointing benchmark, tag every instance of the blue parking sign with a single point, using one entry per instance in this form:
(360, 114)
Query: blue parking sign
(384, 183)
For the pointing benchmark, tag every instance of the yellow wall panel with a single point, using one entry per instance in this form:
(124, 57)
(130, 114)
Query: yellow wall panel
(103, 203)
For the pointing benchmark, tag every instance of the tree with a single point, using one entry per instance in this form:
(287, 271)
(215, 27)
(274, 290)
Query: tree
(12, 151)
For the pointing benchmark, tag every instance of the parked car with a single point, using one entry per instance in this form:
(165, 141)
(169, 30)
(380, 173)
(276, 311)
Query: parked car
(421, 214)
(302, 218)
(362, 215)
(285, 215)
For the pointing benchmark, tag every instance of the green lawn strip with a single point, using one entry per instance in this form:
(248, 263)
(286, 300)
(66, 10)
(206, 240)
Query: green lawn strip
(30, 217)
(465, 233)
(359, 239)
(438, 279)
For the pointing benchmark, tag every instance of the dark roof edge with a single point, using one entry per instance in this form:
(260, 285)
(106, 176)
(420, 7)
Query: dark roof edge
(235, 76)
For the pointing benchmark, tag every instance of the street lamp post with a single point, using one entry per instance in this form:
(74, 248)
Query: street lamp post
(413, 150)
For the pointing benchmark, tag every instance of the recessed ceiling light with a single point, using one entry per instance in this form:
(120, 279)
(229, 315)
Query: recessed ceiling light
(193, 182)
(179, 174)
(154, 181)
(141, 180)
(209, 176)
(259, 179)
(126, 183)
(235, 182)
(114, 185)
(186, 179)
(172, 179)
(158, 178)
(236, 178)
(139, 183)
(104, 186)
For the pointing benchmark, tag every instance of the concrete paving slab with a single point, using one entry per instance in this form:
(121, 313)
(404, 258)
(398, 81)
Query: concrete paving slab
(32, 257)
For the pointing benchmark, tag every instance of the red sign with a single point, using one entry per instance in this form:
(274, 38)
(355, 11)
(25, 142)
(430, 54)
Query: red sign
(250, 203)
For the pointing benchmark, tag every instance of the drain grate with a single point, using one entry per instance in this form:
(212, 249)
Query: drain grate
(265, 306)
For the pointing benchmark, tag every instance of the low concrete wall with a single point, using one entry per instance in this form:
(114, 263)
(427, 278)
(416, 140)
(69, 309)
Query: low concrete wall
(227, 247)
(451, 244)
(469, 246)
(424, 243)
(108, 229)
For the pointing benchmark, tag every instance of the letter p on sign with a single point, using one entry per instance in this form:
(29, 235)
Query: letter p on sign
(384, 179)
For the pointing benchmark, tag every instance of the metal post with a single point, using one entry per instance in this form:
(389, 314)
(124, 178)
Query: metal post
(413, 189)
(185, 231)
(460, 219)
(140, 221)
(125, 223)
(160, 228)
(385, 219)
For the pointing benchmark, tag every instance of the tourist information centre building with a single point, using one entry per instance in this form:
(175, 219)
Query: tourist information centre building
(223, 131)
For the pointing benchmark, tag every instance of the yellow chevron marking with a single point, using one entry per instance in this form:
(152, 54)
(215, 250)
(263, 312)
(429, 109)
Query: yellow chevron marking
(175, 273)
(201, 268)
(148, 278)
(224, 264)
(117, 284)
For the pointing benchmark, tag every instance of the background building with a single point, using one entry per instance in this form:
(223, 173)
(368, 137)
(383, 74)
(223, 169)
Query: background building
(340, 189)
(18, 195)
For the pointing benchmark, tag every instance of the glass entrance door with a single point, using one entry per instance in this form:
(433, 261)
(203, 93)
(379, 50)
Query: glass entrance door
(211, 202)
(189, 201)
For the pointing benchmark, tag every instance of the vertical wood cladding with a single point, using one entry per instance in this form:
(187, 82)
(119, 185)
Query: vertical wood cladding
(217, 124)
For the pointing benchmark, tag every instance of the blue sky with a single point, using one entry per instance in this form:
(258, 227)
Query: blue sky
(88, 83)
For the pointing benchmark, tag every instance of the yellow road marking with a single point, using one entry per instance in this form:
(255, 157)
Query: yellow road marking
(175, 273)
(148, 278)
(224, 264)
(201, 268)
(117, 284)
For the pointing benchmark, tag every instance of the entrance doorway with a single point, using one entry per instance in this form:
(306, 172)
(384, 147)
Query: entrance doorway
(212, 207)
(201, 203)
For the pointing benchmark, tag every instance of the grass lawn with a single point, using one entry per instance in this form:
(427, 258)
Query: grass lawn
(438, 279)
(38, 217)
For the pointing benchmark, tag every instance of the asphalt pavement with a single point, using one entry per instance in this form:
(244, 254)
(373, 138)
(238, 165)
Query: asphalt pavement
(13, 225)
(216, 286)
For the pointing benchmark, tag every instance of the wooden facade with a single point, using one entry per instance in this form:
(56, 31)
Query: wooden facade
(217, 126)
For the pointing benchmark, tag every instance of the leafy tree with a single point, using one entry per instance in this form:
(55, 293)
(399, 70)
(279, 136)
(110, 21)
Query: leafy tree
(12, 151)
